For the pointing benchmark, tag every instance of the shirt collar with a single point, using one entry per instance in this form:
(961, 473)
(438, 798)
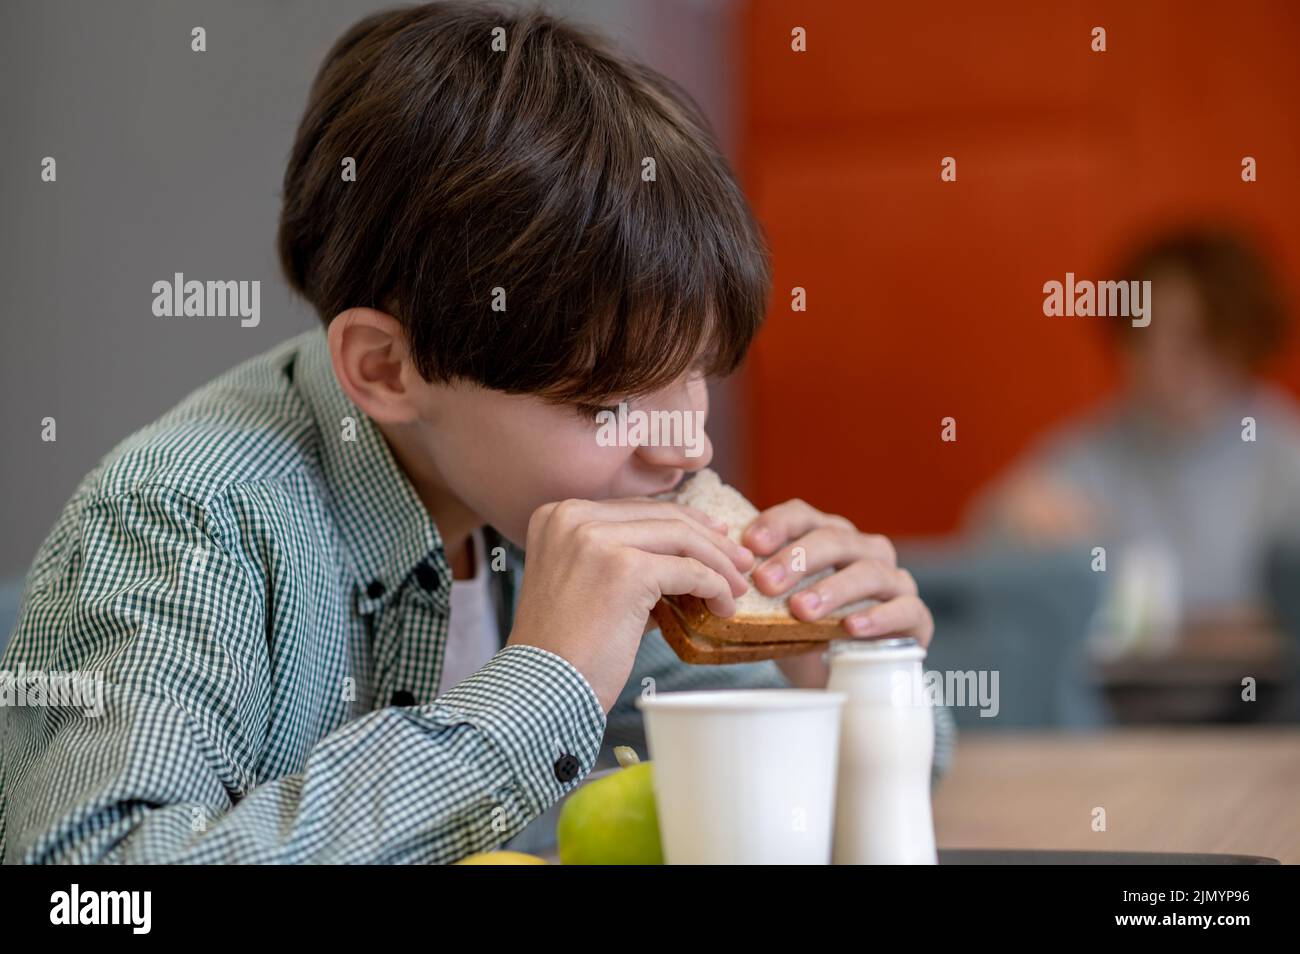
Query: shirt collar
(384, 527)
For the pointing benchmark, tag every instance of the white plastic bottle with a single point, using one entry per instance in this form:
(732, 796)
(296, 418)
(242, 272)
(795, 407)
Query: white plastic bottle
(882, 803)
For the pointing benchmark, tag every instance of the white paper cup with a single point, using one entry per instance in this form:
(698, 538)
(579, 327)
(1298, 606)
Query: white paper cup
(744, 776)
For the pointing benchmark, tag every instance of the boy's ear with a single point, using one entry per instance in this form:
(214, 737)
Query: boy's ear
(373, 366)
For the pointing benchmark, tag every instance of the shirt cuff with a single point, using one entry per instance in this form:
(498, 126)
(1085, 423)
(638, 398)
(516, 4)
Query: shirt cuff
(540, 712)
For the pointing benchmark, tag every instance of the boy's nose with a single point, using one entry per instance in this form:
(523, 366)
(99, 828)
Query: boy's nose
(681, 456)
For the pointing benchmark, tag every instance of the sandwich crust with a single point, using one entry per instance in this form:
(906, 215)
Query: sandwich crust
(695, 647)
(750, 628)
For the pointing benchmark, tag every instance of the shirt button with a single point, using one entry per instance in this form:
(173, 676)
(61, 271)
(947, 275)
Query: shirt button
(376, 589)
(567, 768)
(403, 697)
(427, 577)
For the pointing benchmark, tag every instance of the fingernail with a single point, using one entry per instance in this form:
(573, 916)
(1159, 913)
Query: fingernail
(747, 553)
(762, 536)
(810, 600)
(774, 573)
(861, 625)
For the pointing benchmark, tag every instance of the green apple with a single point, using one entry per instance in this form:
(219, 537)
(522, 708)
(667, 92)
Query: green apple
(612, 821)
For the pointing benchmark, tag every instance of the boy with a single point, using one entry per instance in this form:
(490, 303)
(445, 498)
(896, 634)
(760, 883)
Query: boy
(299, 586)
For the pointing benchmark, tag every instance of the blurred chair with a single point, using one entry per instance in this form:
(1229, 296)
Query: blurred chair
(1025, 614)
(1282, 590)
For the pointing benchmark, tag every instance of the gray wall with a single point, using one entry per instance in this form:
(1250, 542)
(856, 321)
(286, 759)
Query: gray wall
(169, 161)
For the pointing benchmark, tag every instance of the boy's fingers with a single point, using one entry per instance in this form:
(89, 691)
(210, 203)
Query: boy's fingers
(788, 521)
(646, 508)
(862, 579)
(822, 548)
(684, 576)
(675, 537)
(699, 516)
(901, 616)
(707, 519)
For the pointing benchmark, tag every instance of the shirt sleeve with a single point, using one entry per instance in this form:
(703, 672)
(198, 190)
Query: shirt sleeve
(147, 603)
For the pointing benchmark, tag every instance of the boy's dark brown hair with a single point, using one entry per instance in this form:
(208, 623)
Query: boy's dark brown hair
(520, 170)
(1245, 315)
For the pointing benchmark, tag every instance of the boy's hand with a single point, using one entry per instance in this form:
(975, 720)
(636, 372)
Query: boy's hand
(595, 569)
(867, 565)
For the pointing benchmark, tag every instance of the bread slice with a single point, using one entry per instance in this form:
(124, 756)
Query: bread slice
(762, 627)
(698, 649)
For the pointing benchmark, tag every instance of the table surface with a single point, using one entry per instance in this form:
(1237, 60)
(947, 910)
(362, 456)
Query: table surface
(1233, 790)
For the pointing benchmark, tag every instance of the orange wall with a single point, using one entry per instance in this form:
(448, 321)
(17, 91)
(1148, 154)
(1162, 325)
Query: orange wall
(925, 297)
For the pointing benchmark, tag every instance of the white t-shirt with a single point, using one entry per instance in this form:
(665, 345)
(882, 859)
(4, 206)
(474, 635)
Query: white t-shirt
(472, 638)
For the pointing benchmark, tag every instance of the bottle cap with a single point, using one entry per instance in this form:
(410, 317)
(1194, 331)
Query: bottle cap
(871, 645)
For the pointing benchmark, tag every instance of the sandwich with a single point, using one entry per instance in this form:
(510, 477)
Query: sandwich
(762, 627)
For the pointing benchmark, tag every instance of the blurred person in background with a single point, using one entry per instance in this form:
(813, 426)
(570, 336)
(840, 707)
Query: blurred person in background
(1161, 468)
